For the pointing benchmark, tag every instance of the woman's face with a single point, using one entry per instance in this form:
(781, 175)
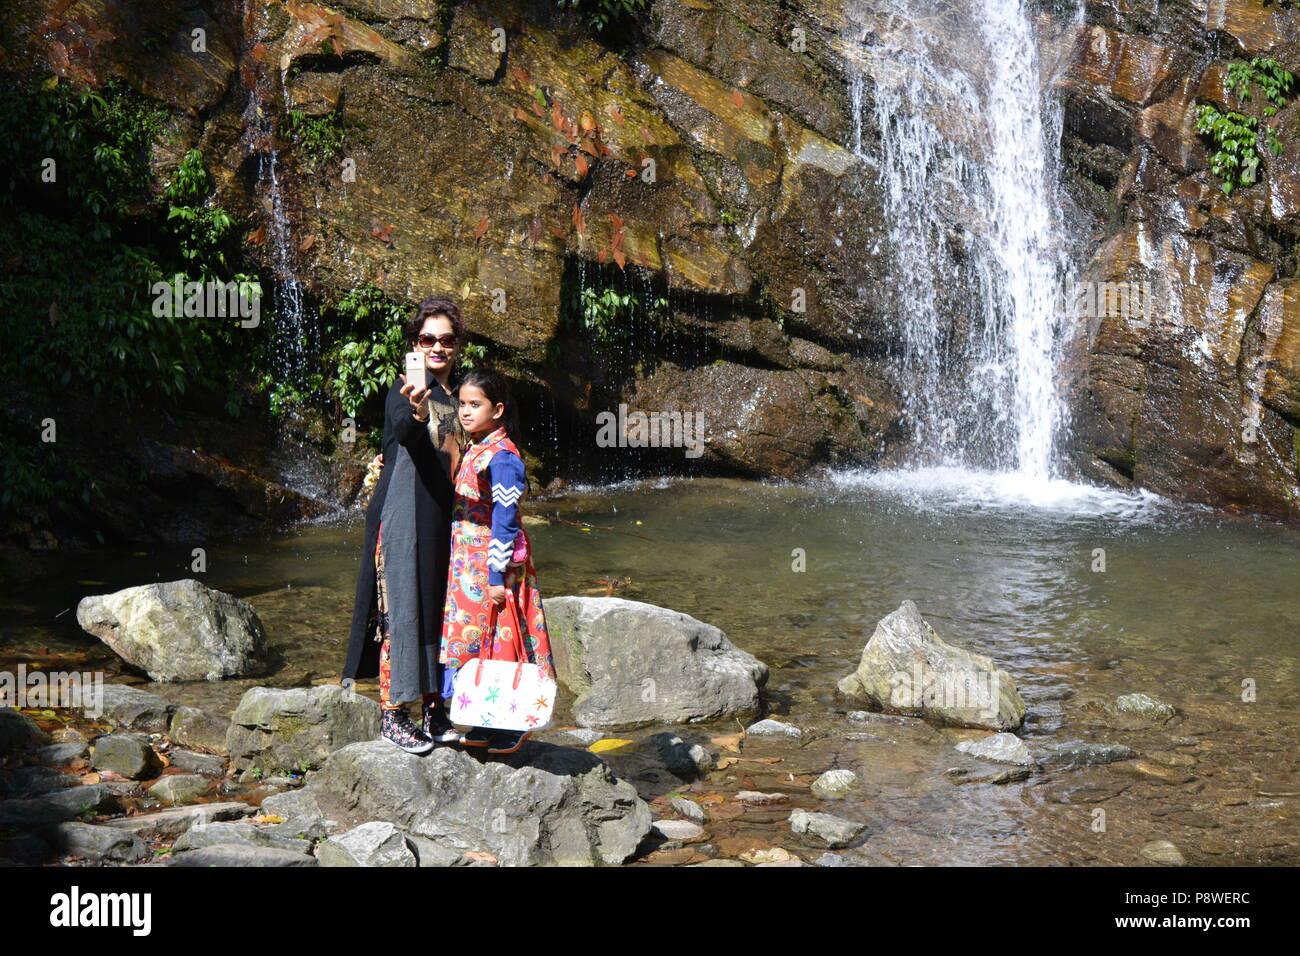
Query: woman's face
(478, 415)
(435, 336)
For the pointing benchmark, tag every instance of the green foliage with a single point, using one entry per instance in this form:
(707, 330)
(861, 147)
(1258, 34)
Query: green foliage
(602, 14)
(608, 314)
(1265, 73)
(1236, 136)
(371, 353)
(200, 232)
(318, 139)
(82, 255)
(472, 354)
(99, 140)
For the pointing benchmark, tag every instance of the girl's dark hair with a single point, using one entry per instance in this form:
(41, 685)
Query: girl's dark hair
(431, 308)
(497, 389)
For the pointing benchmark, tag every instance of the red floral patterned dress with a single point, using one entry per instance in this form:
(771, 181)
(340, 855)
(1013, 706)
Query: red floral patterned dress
(484, 531)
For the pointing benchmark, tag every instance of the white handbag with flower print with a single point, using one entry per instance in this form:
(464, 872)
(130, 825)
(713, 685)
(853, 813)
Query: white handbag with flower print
(503, 694)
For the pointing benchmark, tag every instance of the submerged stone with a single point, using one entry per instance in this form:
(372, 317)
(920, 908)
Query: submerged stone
(907, 669)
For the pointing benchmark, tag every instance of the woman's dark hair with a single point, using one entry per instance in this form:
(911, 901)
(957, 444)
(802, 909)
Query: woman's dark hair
(497, 389)
(431, 308)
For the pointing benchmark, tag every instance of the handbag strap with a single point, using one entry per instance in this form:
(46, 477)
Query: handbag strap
(521, 654)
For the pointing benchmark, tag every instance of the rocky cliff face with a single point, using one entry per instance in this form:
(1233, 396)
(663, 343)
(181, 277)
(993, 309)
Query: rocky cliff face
(500, 151)
(1200, 399)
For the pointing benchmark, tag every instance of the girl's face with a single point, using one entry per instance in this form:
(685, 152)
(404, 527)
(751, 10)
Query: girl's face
(437, 341)
(478, 416)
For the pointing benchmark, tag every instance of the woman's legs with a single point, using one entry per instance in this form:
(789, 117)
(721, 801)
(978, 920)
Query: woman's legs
(395, 723)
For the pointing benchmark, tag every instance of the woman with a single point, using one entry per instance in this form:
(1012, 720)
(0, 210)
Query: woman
(401, 586)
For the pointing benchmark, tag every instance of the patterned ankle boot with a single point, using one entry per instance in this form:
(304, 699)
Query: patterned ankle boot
(436, 725)
(396, 726)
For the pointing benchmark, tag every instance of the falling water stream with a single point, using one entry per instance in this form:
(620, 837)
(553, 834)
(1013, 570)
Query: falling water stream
(965, 160)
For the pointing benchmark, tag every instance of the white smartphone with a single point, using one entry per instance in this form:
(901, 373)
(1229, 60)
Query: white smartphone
(416, 371)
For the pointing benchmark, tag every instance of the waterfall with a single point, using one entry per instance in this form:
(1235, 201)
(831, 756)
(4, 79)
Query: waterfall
(966, 133)
(292, 324)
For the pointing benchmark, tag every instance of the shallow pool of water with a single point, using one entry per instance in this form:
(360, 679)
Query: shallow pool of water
(1080, 593)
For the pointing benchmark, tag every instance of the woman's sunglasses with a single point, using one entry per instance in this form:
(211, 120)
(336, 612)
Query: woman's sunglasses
(429, 341)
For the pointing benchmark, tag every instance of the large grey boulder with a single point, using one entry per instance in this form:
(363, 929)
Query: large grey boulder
(907, 669)
(544, 805)
(631, 664)
(177, 630)
(294, 730)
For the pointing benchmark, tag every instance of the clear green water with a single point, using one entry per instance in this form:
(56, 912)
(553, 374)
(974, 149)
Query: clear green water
(1190, 605)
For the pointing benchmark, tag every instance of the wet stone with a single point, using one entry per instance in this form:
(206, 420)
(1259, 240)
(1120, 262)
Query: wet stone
(689, 809)
(755, 798)
(680, 757)
(772, 728)
(835, 784)
(825, 828)
(1154, 773)
(1143, 705)
(999, 748)
(1163, 852)
(681, 830)
(1080, 753)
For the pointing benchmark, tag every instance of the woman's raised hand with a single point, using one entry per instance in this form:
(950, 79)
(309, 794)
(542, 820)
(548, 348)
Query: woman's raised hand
(416, 397)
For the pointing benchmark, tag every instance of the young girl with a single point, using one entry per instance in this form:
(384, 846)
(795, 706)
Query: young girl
(485, 534)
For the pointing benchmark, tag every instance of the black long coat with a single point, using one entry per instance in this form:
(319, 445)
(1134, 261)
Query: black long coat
(433, 501)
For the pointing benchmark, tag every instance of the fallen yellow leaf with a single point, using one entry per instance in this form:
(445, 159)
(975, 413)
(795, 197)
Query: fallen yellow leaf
(609, 743)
